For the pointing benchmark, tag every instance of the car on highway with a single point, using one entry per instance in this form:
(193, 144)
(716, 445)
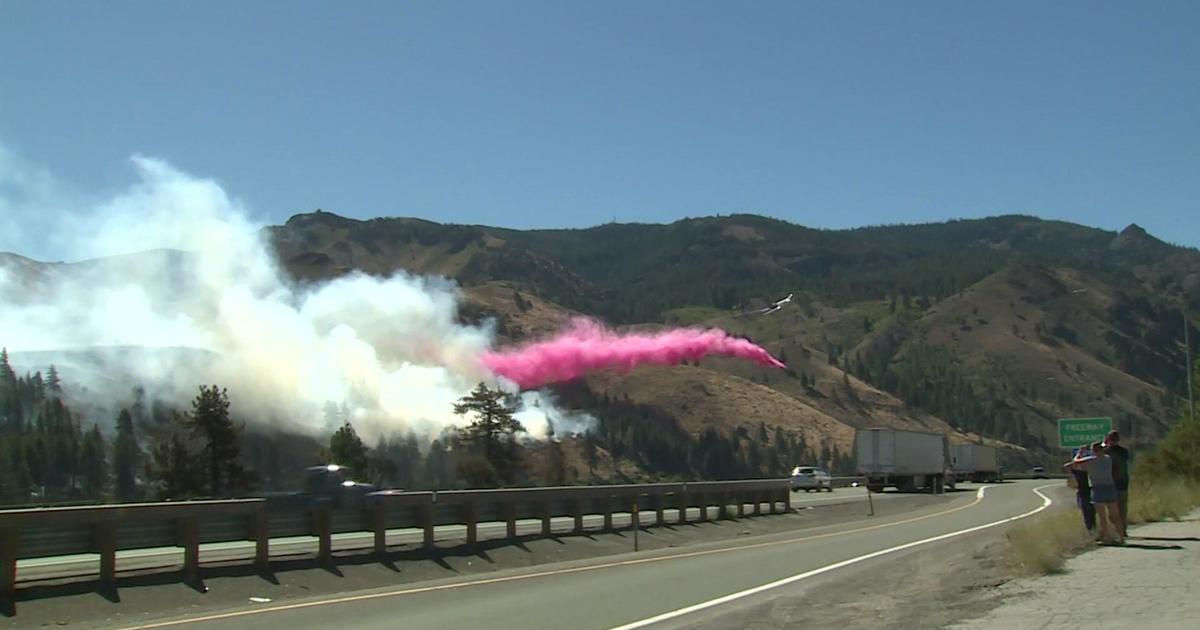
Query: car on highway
(1037, 472)
(809, 478)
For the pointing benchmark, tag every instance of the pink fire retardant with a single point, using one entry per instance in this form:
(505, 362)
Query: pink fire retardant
(587, 346)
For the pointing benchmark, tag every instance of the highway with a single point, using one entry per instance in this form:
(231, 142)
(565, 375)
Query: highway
(665, 588)
(165, 558)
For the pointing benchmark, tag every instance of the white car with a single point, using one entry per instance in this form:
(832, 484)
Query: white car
(809, 478)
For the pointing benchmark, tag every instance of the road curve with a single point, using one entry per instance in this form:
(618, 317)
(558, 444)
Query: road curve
(666, 587)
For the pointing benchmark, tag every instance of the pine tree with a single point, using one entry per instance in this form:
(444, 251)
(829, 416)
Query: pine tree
(493, 431)
(173, 467)
(53, 383)
(8, 378)
(437, 465)
(209, 421)
(347, 449)
(93, 465)
(127, 456)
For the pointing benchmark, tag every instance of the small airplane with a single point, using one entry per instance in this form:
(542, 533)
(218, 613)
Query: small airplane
(777, 305)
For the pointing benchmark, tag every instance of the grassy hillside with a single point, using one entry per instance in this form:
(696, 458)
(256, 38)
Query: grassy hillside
(992, 327)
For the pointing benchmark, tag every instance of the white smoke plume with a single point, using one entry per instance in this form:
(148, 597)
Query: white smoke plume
(209, 304)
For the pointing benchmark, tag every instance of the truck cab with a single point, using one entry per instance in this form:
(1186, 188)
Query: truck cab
(334, 483)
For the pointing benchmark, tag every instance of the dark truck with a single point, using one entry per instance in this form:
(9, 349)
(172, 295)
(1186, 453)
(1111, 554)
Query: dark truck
(329, 484)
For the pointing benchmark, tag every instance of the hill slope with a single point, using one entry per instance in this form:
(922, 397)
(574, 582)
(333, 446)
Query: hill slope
(994, 326)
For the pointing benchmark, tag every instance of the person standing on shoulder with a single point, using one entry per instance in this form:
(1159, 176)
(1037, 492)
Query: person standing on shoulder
(1099, 466)
(1083, 492)
(1120, 457)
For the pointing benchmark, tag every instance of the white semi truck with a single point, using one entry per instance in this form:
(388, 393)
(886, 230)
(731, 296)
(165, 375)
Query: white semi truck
(909, 461)
(976, 462)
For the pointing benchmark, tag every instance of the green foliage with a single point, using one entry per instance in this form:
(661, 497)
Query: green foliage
(220, 440)
(173, 469)
(93, 465)
(492, 432)
(478, 472)
(347, 449)
(44, 453)
(1175, 457)
(127, 457)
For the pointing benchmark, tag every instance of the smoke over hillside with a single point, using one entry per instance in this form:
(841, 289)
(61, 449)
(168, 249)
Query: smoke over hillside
(210, 305)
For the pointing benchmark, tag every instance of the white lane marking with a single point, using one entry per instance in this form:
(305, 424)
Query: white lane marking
(832, 567)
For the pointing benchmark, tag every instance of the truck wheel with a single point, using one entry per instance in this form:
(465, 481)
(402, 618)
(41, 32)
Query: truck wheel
(829, 488)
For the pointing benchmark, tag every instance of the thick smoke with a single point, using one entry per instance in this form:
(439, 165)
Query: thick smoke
(189, 293)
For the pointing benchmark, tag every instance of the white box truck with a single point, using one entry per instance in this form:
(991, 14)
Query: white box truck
(909, 461)
(976, 462)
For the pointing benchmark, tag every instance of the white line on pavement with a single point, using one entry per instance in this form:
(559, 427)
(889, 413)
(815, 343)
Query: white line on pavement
(831, 567)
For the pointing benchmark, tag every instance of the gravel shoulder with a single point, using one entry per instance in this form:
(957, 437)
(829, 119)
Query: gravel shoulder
(1149, 583)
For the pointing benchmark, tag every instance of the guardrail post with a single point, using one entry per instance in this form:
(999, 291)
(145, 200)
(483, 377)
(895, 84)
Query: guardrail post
(607, 508)
(8, 563)
(683, 506)
(425, 516)
(546, 530)
(787, 500)
(261, 526)
(470, 519)
(322, 529)
(757, 496)
(741, 504)
(702, 501)
(106, 545)
(379, 522)
(188, 530)
(509, 510)
(723, 508)
(659, 520)
(577, 512)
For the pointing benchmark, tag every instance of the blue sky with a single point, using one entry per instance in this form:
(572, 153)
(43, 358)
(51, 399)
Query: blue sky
(564, 114)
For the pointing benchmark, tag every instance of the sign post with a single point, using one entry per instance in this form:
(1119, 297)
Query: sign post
(1077, 432)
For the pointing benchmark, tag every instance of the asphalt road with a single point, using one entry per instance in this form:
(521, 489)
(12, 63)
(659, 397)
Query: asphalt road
(665, 588)
(166, 558)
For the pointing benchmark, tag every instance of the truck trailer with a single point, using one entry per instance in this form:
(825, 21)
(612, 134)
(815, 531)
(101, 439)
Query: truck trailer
(976, 462)
(909, 461)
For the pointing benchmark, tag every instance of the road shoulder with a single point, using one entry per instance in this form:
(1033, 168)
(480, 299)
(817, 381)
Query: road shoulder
(1149, 583)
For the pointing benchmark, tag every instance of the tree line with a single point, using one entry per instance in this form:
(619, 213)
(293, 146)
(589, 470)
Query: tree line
(49, 454)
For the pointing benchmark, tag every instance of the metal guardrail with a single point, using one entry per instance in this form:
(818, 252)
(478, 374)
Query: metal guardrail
(106, 529)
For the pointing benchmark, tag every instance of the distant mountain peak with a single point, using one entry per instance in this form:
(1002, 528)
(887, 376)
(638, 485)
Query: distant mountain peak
(319, 217)
(1134, 230)
(1135, 235)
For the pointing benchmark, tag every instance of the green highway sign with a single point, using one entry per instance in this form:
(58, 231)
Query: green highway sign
(1074, 432)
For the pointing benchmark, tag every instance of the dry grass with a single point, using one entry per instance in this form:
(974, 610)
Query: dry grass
(1166, 500)
(1043, 544)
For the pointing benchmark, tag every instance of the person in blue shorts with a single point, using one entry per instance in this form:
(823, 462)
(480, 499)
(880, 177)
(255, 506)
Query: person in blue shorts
(1099, 466)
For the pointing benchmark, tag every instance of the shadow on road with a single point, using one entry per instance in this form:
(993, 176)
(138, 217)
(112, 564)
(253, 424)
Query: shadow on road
(111, 593)
(1129, 545)
(1166, 538)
